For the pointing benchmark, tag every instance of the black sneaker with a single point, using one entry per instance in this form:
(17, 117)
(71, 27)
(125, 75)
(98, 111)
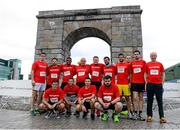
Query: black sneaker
(85, 115)
(92, 116)
(58, 115)
(48, 114)
(77, 114)
(68, 114)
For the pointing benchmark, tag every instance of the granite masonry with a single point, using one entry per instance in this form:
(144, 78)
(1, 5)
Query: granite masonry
(59, 30)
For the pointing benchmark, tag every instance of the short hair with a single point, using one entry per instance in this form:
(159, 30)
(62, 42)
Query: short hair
(68, 58)
(121, 54)
(71, 78)
(95, 57)
(137, 51)
(106, 57)
(42, 53)
(54, 58)
(88, 78)
(107, 77)
(55, 81)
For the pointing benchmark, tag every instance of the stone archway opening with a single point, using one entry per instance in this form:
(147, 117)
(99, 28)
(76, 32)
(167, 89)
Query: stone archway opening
(79, 34)
(96, 47)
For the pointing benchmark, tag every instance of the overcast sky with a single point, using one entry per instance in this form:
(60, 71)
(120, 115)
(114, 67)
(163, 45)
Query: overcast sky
(18, 27)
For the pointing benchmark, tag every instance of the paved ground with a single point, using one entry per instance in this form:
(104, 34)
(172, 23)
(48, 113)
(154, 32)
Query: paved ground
(10, 119)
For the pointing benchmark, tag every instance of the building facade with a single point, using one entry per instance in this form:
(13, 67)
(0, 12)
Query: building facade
(10, 69)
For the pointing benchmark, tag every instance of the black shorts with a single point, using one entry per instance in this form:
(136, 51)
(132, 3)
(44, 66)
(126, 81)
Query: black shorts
(87, 105)
(97, 84)
(63, 85)
(80, 84)
(138, 87)
(112, 107)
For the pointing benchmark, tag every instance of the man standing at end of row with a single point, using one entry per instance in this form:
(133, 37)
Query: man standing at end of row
(155, 79)
(38, 79)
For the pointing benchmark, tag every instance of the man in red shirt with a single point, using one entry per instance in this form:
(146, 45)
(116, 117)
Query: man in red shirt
(109, 69)
(123, 72)
(138, 83)
(53, 72)
(38, 79)
(128, 59)
(53, 99)
(82, 72)
(96, 71)
(155, 77)
(108, 98)
(68, 71)
(86, 99)
(71, 92)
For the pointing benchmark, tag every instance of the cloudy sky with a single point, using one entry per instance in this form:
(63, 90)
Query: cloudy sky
(18, 27)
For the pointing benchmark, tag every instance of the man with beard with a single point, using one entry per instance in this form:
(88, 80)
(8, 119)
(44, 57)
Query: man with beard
(108, 98)
(109, 69)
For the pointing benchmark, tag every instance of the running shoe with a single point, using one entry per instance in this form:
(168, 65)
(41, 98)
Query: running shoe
(48, 114)
(140, 117)
(163, 120)
(85, 115)
(149, 119)
(104, 117)
(115, 118)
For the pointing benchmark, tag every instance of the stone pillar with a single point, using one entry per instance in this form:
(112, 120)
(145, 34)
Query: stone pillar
(49, 36)
(126, 33)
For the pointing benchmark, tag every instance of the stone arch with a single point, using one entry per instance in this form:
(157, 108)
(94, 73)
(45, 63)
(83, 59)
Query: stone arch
(59, 30)
(81, 33)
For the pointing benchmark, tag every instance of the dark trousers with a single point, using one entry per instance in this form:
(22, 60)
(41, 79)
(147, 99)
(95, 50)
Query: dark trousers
(157, 90)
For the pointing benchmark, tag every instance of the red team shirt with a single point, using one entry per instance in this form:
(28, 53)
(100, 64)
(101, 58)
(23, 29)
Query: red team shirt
(68, 72)
(137, 70)
(96, 71)
(84, 92)
(40, 69)
(154, 72)
(53, 96)
(71, 90)
(108, 94)
(53, 73)
(111, 71)
(123, 71)
(82, 72)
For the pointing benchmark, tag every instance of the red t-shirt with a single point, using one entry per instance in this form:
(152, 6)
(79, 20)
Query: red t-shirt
(68, 72)
(137, 71)
(108, 94)
(87, 92)
(71, 90)
(53, 96)
(40, 69)
(111, 71)
(154, 72)
(96, 71)
(123, 71)
(53, 73)
(82, 72)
